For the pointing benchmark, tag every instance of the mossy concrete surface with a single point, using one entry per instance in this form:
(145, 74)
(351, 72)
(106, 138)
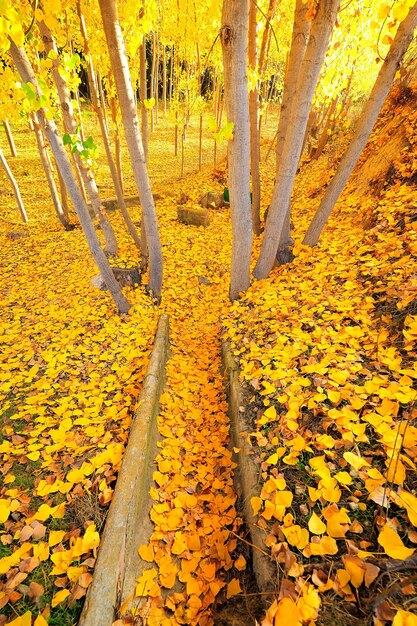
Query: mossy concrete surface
(128, 524)
(247, 472)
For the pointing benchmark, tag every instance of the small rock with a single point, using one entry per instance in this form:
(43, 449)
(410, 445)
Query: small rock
(98, 282)
(183, 199)
(212, 200)
(125, 277)
(193, 216)
(204, 281)
(17, 234)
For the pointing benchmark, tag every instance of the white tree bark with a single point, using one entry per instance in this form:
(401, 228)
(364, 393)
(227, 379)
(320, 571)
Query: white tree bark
(124, 87)
(254, 134)
(70, 125)
(98, 105)
(299, 41)
(366, 123)
(9, 136)
(321, 30)
(144, 96)
(46, 164)
(50, 129)
(15, 187)
(234, 38)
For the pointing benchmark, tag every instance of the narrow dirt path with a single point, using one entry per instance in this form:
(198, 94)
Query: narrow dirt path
(194, 510)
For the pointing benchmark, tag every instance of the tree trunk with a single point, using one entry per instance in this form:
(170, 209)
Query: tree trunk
(99, 83)
(200, 143)
(311, 124)
(80, 122)
(266, 34)
(324, 135)
(299, 41)
(46, 164)
(153, 80)
(63, 192)
(124, 87)
(52, 134)
(321, 30)
(254, 134)
(164, 79)
(300, 36)
(183, 152)
(10, 139)
(98, 107)
(15, 187)
(176, 134)
(117, 143)
(156, 88)
(171, 83)
(70, 125)
(234, 38)
(366, 123)
(143, 97)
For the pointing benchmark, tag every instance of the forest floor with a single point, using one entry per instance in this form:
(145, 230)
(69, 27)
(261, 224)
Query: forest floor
(326, 347)
(70, 374)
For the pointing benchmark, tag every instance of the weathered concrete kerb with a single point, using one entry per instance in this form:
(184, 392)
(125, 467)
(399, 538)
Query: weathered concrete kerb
(247, 473)
(128, 524)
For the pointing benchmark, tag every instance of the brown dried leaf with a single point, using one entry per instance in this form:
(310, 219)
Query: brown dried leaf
(16, 580)
(85, 579)
(371, 572)
(29, 564)
(36, 591)
(26, 533)
(39, 530)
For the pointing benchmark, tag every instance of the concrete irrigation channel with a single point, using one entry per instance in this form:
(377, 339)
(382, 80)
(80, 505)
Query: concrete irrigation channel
(128, 524)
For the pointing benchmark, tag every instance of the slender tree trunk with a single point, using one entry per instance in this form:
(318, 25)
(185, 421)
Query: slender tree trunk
(321, 30)
(183, 151)
(77, 99)
(15, 187)
(254, 134)
(80, 119)
(71, 128)
(164, 79)
(311, 124)
(177, 78)
(117, 144)
(46, 164)
(98, 107)
(272, 9)
(10, 139)
(176, 134)
(63, 192)
(200, 143)
(366, 123)
(99, 83)
(156, 89)
(143, 98)
(324, 135)
(234, 38)
(300, 36)
(124, 87)
(171, 81)
(52, 134)
(153, 80)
